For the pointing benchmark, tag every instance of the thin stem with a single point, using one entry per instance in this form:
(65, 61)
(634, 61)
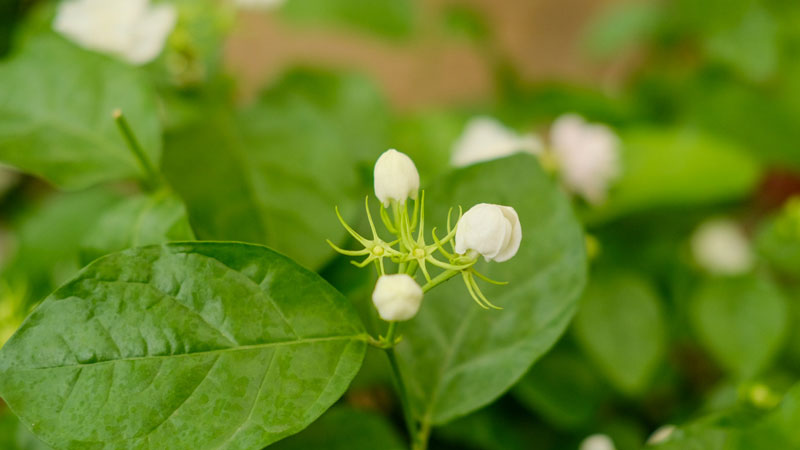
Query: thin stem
(441, 278)
(391, 332)
(153, 179)
(401, 391)
(421, 440)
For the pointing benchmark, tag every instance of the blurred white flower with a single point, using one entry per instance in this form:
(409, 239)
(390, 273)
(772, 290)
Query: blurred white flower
(493, 231)
(131, 29)
(661, 434)
(597, 442)
(587, 156)
(396, 177)
(485, 138)
(260, 4)
(721, 247)
(397, 297)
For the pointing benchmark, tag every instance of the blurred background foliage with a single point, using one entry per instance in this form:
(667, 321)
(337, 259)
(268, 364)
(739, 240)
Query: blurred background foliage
(704, 95)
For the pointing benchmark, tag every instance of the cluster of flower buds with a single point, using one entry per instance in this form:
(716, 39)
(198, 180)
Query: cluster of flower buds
(491, 231)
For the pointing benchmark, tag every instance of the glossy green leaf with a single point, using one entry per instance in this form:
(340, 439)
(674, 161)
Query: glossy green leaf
(137, 221)
(182, 346)
(678, 168)
(457, 357)
(56, 121)
(620, 325)
(274, 173)
(344, 428)
(742, 322)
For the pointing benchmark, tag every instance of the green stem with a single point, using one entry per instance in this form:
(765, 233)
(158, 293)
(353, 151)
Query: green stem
(153, 179)
(421, 440)
(439, 279)
(402, 393)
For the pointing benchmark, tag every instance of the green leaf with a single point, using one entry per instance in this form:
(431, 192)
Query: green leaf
(678, 168)
(620, 326)
(388, 18)
(274, 173)
(137, 221)
(56, 121)
(182, 346)
(742, 322)
(344, 428)
(14, 436)
(457, 357)
(778, 240)
(742, 429)
(563, 388)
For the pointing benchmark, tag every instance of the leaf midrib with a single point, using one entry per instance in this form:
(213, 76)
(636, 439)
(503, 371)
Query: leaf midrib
(356, 337)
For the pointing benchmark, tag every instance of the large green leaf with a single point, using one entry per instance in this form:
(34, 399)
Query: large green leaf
(678, 168)
(56, 120)
(140, 220)
(457, 357)
(182, 346)
(344, 428)
(620, 325)
(742, 322)
(273, 173)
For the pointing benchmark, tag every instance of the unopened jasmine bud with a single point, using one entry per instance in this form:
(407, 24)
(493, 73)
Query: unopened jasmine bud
(493, 231)
(597, 442)
(721, 247)
(397, 297)
(396, 178)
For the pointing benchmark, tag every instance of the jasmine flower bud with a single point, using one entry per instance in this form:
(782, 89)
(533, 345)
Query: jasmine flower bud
(587, 156)
(131, 29)
(597, 442)
(396, 178)
(493, 231)
(397, 297)
(662, 434)
(485, 138)
(721, 247)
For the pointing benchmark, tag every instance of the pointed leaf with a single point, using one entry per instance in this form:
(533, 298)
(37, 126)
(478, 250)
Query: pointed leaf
(182, 346)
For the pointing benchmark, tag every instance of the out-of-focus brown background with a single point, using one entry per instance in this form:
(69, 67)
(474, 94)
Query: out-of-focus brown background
(541, 38)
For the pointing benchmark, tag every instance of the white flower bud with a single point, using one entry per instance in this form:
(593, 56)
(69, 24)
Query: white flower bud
(597, 442)
(396, 177)
(131, 29)
(397, 297)
(662, 434)
(485, 138)
(721, 247)
(493, 231)
(587, 156)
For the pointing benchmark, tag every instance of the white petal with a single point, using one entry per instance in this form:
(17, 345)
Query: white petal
(512, 246)
(151, 34)
(484, 138)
